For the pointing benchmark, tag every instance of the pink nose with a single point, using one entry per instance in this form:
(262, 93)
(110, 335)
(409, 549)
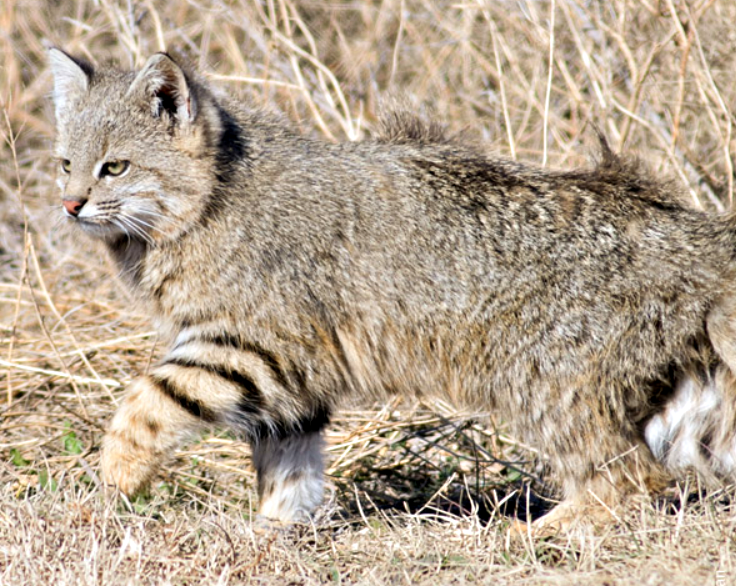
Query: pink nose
(73, 206)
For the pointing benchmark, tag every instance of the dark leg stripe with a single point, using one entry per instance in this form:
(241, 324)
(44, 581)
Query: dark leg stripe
(319, 417)
(226, 340)
(268, 358)
(246, 384)
(192, 406)
(313, 422)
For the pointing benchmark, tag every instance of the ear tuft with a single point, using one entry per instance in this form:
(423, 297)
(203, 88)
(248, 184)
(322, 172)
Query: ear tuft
(71, 79)
(163, 88)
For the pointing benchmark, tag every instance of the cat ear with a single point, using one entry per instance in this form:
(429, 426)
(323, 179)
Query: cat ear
(71, 79)
(163, 88)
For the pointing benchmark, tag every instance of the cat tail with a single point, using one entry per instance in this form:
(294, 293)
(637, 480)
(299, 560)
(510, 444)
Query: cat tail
(696, 428)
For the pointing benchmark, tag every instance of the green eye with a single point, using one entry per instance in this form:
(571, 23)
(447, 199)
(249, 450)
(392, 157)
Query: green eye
(114, 168)
(66, 166)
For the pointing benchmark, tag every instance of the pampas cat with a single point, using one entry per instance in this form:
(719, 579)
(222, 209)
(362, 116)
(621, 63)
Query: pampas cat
(590, 309)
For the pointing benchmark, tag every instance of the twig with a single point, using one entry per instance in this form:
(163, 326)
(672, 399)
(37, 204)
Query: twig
(545, 128)
(107, 382)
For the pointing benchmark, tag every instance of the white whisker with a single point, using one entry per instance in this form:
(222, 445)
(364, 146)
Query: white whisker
(130, 231)
(142, 222)
(122, 227)
(135, 223)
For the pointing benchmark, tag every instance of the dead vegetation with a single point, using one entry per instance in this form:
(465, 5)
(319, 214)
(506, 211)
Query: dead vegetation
(419, 493)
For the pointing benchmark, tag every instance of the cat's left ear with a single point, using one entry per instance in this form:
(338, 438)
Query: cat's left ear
(71, 79)
(163, 88)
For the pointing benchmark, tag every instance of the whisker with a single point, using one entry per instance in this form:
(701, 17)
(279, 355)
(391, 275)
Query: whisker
(122, 227)
(146, 211)
(135, 228)
(142, 222)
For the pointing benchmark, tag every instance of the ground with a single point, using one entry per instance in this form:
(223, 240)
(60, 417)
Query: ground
(418, 493)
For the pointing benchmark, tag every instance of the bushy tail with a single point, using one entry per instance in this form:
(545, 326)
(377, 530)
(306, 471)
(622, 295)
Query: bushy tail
(696, 428)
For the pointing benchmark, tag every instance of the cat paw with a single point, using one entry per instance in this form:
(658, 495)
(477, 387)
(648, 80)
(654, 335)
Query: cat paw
(125, 465)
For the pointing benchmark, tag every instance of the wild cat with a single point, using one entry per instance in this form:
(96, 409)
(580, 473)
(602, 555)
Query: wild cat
(590, 309)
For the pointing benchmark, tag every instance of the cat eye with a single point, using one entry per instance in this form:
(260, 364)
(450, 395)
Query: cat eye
(66, 166)
(114, 168)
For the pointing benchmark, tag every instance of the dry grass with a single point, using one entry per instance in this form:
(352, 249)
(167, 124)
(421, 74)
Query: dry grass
(418, 494)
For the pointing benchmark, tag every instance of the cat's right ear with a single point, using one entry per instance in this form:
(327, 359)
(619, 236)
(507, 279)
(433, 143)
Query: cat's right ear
(162, 87)
(71, 79)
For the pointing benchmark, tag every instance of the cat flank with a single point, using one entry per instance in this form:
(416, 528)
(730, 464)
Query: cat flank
(592, 309)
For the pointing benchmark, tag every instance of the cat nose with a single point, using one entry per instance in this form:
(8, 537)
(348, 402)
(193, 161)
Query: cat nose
(74, 206)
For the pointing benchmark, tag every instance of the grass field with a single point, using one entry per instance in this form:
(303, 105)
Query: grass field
(419, 493)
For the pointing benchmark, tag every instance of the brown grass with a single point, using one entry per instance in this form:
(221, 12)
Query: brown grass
(418, 492)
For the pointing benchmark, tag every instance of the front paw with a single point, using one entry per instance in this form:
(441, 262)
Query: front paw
(126, 465)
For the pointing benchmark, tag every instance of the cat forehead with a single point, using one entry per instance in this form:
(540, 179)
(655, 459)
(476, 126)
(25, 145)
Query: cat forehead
(105, 106)
(103, 131)
(111, 77)
(109, 87)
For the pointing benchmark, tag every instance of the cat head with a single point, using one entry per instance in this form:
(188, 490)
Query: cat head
(136, 152)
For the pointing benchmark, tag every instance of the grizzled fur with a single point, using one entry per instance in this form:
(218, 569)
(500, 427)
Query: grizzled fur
(584, 307)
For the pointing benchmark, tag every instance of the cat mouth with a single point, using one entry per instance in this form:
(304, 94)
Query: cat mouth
(102, 229)
(112, 228)
(93, 228)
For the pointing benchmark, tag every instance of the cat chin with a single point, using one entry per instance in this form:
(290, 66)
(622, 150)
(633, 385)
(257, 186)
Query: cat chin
(104, 232)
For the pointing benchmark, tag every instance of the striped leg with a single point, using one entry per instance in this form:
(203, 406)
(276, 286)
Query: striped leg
(220, 380)
(198, 382)
(153, 418)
